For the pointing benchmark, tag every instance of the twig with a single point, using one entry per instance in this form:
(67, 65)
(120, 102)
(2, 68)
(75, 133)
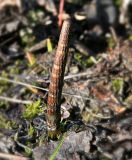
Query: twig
(75, 96)
(22, 83)
(38, 46)
(87, 73)
(12, 157)
(8, 40)
(40, 88)
(114, 35)
(15, 100)
(44, 89)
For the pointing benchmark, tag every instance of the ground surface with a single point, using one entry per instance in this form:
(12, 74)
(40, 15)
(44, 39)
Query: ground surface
(97, 93)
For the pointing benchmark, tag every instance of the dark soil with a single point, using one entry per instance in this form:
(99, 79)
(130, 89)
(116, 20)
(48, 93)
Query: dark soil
(96, 121)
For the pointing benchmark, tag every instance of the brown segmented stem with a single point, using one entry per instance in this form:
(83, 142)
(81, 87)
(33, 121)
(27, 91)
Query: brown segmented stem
(57, 77)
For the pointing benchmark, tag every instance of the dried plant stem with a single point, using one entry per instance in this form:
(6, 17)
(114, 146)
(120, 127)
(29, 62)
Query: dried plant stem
(14, 100)
(12, 157)
(40, 88)
(57, 77)
(61, 10)
(22, 84)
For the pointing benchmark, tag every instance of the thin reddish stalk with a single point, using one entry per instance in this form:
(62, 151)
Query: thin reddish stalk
(61, 10)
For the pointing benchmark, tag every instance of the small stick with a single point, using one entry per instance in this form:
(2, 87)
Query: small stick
(29, 86)
(57, 77)
(14, 100)
(22, 84)
(12, 157)
(38, 46)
